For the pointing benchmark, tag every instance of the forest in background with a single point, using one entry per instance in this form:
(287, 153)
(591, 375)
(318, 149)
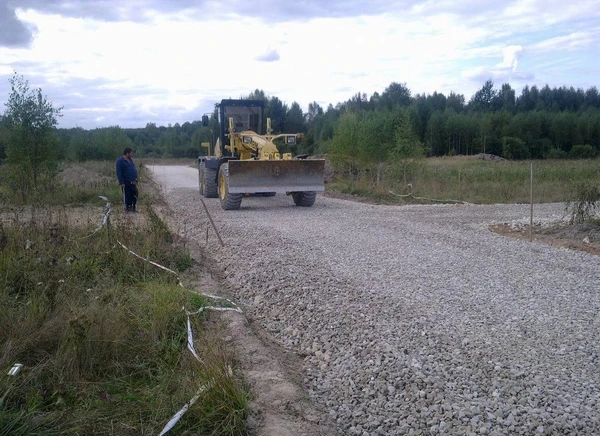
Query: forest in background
(539, 123)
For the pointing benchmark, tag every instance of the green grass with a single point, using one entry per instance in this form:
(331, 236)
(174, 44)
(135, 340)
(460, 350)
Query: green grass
(75, 184)
(482, 182)
(102, 334)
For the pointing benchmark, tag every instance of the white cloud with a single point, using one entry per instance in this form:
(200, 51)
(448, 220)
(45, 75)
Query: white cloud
(571, 41)
(505, 71)
(511, 57)
(270, 55)
(170, 65)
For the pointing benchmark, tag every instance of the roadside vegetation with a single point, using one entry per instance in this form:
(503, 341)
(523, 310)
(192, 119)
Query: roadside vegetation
(96, 338)
(101, 334)
(586, 205)
(470, 179)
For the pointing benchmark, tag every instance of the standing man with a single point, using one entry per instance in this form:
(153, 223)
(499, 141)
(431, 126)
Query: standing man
(127, 175)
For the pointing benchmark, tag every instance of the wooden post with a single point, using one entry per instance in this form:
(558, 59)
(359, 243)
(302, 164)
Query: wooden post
(531, 210)
(458, 185)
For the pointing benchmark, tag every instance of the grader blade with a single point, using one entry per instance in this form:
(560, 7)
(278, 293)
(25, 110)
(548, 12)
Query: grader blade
(256, 176)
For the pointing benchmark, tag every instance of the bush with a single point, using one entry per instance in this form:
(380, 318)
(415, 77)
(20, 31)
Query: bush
(582, 152)
(540, 148)
(586, 203)
(556, 153)
(515, 149)
(493, 146)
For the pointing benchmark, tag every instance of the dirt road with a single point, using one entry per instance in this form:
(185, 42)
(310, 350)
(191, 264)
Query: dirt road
(413, 319)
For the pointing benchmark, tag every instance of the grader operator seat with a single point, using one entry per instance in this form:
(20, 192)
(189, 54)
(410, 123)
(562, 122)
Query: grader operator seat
(238, 123)
(244, 118)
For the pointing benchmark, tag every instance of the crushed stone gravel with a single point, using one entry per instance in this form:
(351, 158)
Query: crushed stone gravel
(414, 319)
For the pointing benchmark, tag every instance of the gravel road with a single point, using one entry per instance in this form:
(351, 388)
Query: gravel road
(414, 319)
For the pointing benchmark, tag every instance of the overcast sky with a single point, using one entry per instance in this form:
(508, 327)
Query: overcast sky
(128, 63)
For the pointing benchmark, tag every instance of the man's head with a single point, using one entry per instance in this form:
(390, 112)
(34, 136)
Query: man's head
(127, 152)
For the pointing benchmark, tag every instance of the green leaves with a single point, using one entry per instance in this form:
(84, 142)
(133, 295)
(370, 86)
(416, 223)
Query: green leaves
(375, 136)
(29, 107)
(29, 138)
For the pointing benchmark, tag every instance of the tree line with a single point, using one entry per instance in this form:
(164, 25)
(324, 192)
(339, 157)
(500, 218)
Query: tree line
(539, 123)
(546, 123)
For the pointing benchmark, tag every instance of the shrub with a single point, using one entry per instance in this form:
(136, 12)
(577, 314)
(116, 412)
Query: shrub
(515, 149)
(540, 148)
(557, 153)
(582, 152)
(586, 203)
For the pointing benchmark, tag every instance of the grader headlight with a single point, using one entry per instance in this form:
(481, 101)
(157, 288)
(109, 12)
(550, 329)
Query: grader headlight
(247, 139)
(290, 140)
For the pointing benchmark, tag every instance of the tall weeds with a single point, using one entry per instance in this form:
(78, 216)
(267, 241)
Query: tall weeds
(101, 334)
(471, 180)
(587, 201)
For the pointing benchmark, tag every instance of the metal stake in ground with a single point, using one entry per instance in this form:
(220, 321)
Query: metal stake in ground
(212, 222)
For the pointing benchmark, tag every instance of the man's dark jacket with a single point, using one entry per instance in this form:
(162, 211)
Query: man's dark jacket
(126, 172)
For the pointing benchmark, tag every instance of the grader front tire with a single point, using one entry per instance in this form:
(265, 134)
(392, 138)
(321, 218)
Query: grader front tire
(305, 198)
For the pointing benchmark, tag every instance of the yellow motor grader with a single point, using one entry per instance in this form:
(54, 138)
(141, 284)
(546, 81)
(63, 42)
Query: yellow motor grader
(246, 160)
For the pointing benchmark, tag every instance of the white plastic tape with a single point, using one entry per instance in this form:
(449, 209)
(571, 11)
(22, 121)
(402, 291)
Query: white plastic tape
(190, 341)
(430, 199)
(216, 309)
(179, 414)
(190, 346)
(15, 369)
(216, 297)
(147, 260)
(107, 210)
(190, 336)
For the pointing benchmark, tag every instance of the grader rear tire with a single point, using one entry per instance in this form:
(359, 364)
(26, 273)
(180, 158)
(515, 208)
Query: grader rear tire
(211, 189)
(201, 177)
(208, 181)
(305, 198)
(229, 201)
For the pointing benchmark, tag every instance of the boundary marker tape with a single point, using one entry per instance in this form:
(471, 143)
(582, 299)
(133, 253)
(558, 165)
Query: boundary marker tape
(190, 338)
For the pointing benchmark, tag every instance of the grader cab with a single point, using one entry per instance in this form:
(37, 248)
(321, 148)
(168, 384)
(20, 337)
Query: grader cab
(245, 159)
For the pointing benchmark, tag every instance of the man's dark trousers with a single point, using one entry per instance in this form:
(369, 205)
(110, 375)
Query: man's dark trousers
(130, 194)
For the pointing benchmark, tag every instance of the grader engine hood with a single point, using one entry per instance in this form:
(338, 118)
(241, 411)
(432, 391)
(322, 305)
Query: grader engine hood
(256, 176)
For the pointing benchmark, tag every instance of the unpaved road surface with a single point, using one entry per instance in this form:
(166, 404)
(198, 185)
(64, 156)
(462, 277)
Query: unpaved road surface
(414, 319)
